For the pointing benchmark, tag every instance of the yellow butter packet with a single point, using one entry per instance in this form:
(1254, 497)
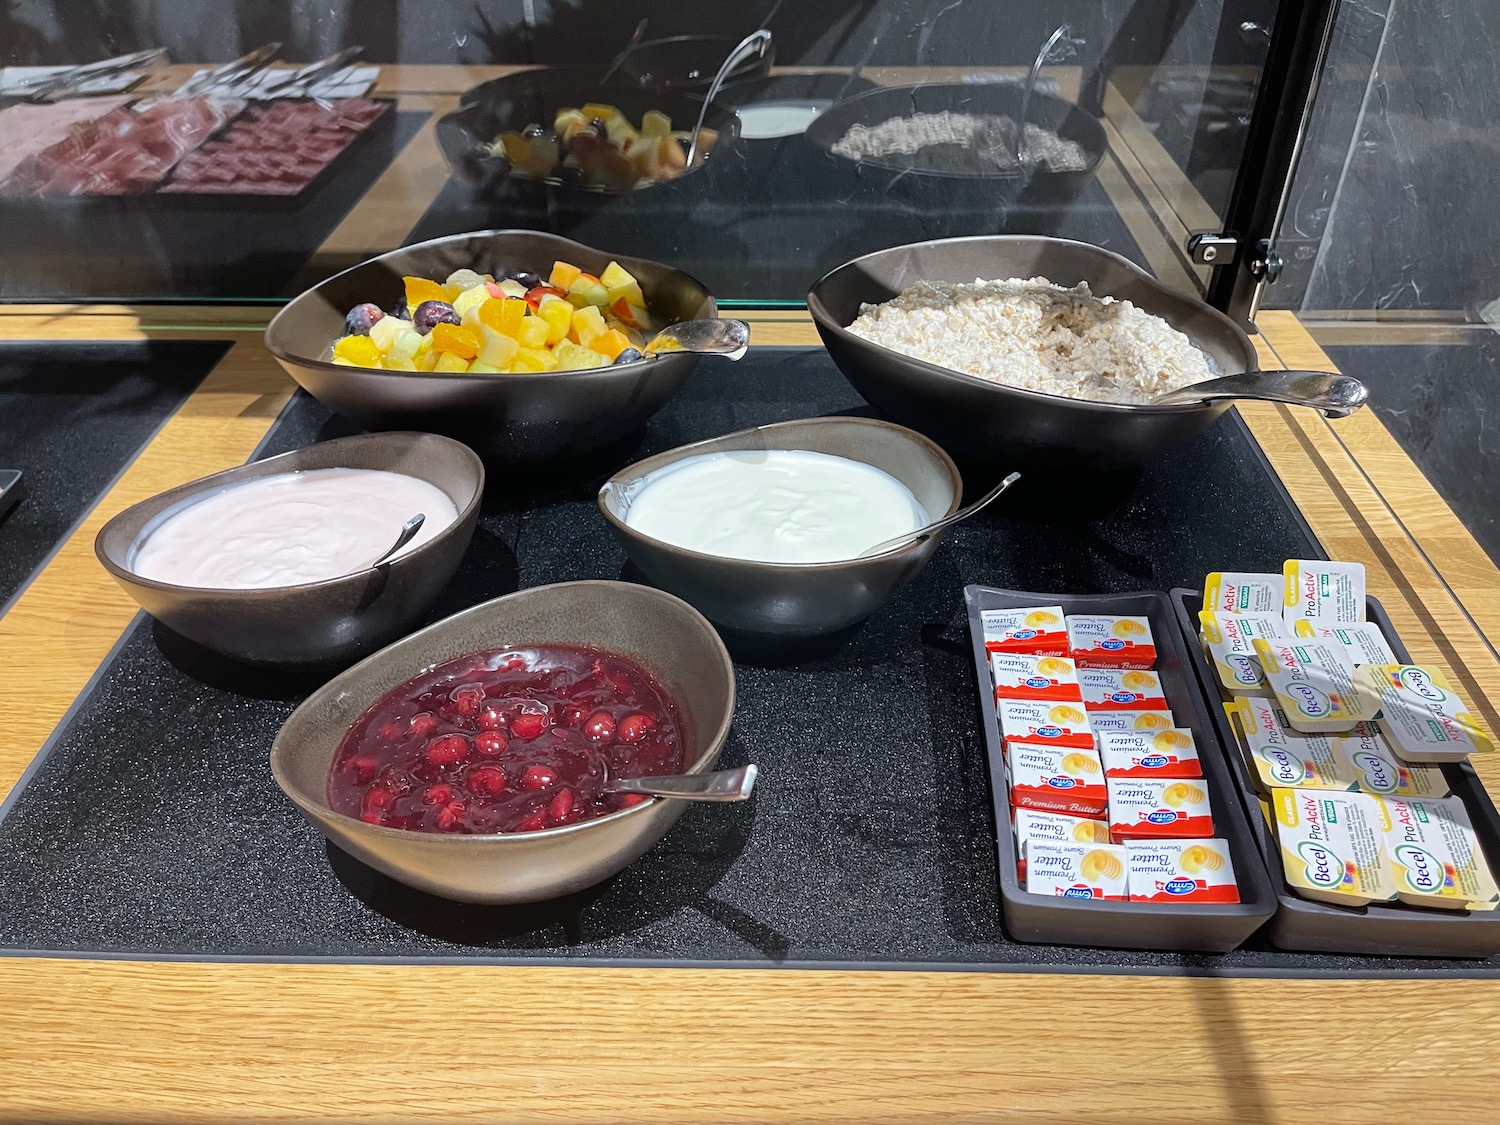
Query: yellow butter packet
(1362, 642)
(1421, 716)
(1434, 857)
(1333, 846)
(1329, 593)
(1314, 684)
(1235, 592)
(1229, 641)
(1364, 755)
(1280, 757)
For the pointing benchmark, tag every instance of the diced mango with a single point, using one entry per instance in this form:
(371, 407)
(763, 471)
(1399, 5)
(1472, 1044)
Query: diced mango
(453, 338)
(588, 323)
(451, 361)
(358, 350)
(533, 332)
(610, 344)
(534, 359)
(576, 357)
(558, 314)
(615, 275)
(563, 275)
(504, 316)
(498, 349)
(419, 289)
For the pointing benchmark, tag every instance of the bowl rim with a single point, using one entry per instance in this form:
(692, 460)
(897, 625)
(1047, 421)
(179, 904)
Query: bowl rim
(682, 452)
(713, 745)
(201, 485)
(597, 373)
(827, 324)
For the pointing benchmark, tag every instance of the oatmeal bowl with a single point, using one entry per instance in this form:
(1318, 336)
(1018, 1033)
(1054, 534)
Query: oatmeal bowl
(1051, 357)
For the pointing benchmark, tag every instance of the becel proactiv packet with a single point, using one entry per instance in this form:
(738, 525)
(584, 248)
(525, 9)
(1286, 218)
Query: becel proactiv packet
(1435, 858)
(1362, 641)
(1366, 756)
(1035, 827)
(1158, 810)
(1314, 684)
(1031, 631)
(1097, 640)
(1167, 753)
(1327, 593)
(1181, 871)
(1059, 781)
(1034, 677)
(1240, 592)
(1421, 716)
(1114, 689)
(1333, 846)
(1096, 871)
(1229, 642)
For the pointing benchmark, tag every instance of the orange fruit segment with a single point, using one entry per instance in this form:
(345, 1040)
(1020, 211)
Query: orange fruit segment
(453, 338)
(419, 289)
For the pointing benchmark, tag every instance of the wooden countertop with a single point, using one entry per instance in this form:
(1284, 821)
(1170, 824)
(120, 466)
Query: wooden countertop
(170, 1041)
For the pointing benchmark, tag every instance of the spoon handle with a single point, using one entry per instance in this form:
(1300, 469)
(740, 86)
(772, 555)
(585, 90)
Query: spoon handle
(408, 532)
(719, 785)
(947, 521)
(753, 44)
(1337, 396)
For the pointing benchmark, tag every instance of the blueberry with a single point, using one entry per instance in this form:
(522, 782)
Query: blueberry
(429, 314)
(629, 355)
(361, 318)
(525, 278)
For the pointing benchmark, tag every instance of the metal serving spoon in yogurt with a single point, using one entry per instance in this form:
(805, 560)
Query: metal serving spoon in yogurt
(947, 521)
(409, 530)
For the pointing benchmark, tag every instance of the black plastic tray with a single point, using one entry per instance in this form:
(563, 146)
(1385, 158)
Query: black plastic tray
(1319, 927)
(1206, 927)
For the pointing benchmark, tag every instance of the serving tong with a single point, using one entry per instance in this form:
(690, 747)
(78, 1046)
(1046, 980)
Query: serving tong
(46, 86)
(231, 74)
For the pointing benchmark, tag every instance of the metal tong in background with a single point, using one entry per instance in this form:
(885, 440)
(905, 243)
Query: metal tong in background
(47, 86)
(233, 73)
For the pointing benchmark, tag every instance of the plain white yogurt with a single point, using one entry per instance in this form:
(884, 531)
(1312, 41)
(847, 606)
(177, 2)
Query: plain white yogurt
(290, 529)
(786, 506)
(766, 121)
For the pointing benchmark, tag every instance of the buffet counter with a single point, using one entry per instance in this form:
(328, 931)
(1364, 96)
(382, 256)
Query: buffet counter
(119, 1036)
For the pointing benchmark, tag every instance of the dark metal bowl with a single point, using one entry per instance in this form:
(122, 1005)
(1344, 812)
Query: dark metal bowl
(662, 634)
(688, 62)
(338, 620)
(794, 599)
(520, 417)
(994, 423)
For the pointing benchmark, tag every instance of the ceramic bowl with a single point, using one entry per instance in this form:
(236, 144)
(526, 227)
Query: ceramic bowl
(793, 599)
(660, 633)
(519, 417)
(336, 621)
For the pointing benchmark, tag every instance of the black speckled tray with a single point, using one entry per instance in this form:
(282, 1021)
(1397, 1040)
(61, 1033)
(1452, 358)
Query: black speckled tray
(151, 826)
(72, 416)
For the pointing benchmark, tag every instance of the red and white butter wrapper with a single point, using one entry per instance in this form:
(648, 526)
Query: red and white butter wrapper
(1035, 677)
(1181, 871)
(1039, 723)
(1121, 689)
(1032, 631)
(1166, 753)
(1102, 641)
(1158, 810)
(1058, 781)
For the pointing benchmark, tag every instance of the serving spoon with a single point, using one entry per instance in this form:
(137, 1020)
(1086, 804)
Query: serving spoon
(947, 521)
(707, 337)
(409, 530)
(1337, 396)
(716, 785)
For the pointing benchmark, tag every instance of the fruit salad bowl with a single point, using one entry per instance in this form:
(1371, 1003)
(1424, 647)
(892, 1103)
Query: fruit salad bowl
(510, 417)
(657, 632)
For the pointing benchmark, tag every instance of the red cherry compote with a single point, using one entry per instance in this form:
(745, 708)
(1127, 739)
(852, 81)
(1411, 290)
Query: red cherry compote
(507, 740)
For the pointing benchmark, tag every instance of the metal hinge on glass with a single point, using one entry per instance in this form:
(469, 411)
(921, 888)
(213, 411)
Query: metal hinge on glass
(1267, 263)
(1213, 249)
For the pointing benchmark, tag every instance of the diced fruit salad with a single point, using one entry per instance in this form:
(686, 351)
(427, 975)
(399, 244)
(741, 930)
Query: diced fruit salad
(471, 322)
(598, 145)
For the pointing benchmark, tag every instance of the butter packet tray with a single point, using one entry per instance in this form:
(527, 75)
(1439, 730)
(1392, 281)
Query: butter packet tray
(1383, 928)
(1176, 922)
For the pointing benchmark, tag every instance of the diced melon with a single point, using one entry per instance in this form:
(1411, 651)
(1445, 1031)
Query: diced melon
(563, 275)
(385, 330)
(409, 343)
(451, 361)
(534, 359)
(340, 361)
(588, 323)
(358, 350)
(655, 123)
(533, 332)
(498, 349)
(397, 362)
(590, 289)
(576, 357)
(461, 281)
(558, 314)
(479, 367)
(610, 344)
(615, 275)
(467, 303)
(427, 361)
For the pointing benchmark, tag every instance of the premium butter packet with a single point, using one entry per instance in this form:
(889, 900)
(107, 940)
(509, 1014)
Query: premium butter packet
(1313, 683)
(1102, 721)
(1181, 871)
(1166, 753)
(1235, 592)
(1364, 755)
(1362, 642)
(1229, 642)
(1280, 757)
(1034, 827)
(1421, 716)
(1328, 593)
(1044, 724)
(1435, 858)
(1159, 810)
(1103, 641)
(1033, 631)
(1059, 781)
(1332, 846)
(1034, 677)
(1078, 871)
(1114, 689)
